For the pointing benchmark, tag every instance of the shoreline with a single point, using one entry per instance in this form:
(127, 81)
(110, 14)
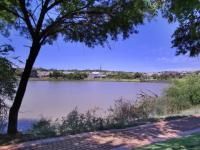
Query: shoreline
(102, 80)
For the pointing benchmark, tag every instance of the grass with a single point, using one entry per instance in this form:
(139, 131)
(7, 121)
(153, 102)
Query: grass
(186, 143)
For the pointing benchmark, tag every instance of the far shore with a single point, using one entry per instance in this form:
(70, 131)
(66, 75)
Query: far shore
(100, 80)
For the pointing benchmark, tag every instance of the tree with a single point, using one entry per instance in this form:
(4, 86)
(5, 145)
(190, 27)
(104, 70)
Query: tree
(91, 22)
(138, 75)
(186, 37)
(7, 82)
(56, 74)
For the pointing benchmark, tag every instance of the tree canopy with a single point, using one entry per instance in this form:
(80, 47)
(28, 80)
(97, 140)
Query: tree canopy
(186, 37)
(88, 21)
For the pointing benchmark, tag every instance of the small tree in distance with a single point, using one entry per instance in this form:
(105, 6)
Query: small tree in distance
(88, 21)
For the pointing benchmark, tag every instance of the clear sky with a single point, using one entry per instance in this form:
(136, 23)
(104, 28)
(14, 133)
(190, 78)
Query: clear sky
(149, 50)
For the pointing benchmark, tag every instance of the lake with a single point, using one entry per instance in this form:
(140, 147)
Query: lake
(54, 99)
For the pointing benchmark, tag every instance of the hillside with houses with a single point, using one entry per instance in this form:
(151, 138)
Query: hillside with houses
(41, 73)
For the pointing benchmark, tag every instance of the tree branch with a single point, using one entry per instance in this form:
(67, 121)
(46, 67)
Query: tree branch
(33, 19)
(26, 17)
(38, 5)
(69, 14)
(56, 2)
(42, 16)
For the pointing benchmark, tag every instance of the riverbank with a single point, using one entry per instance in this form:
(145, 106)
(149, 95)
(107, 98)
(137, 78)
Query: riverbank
(126, 138)
(101, 80)
(63, 79)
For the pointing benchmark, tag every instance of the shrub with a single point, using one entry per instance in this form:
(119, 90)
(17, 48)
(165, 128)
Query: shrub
(160, 106)
(122, 113)
(3, 115)
(8, 83)
(125, 113)
(192, 85)
(183, 94)
(43, 128)
(92, 122)
(146, 105)
(77, 122)
(73, 123)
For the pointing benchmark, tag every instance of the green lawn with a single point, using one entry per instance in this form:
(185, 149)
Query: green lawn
(186, 143)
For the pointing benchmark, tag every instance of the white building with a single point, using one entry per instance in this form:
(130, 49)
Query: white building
(94, 75)
(68, 72)
(43, 73)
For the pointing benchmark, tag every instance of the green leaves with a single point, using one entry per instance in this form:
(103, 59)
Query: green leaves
(105, 20)
(7, 84)
(186, 38)
(7, 19)
(5, 15)
(7, 74)
(91, 22)
(185, 92)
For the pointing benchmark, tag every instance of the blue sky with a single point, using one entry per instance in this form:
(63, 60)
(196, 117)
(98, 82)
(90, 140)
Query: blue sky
(149, 50)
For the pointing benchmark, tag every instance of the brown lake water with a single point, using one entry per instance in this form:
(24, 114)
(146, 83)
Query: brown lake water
(54, 99)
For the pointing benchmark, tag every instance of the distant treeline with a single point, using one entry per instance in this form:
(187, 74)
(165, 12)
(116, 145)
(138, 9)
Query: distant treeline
(116, 75)
(70, 76)
(124, 75)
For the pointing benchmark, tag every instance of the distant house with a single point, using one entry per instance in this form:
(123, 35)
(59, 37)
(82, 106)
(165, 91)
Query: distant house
(94, 75)
(150, 74)
(171, 73)
(184, 73)
(68, 72)
(43, 73)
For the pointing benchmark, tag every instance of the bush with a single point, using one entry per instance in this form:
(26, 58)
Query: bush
(3, 115)
(43, 128)
(8, 83)
(122, 113)
(146, 105)
(125, 113)
(73, 123)
(77, 122)
(183, 94)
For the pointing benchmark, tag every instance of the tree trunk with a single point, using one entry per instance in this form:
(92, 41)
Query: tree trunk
(14, 110)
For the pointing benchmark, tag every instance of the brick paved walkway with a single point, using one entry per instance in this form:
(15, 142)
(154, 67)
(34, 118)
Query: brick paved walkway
(118, 139)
